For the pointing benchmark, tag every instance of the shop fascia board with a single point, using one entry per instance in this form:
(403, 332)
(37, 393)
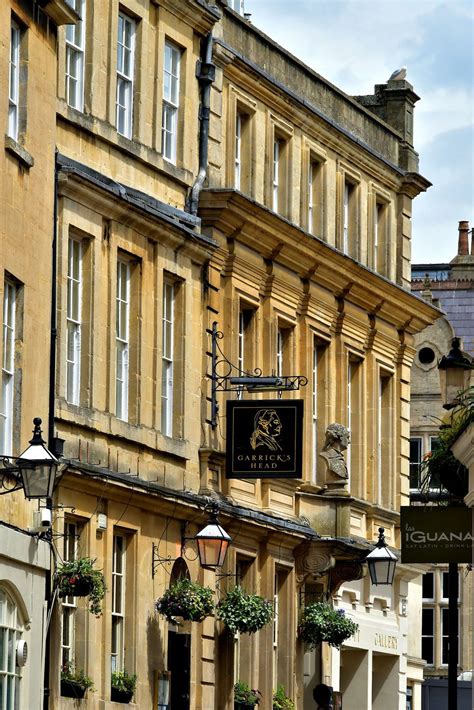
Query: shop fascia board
(237, 216)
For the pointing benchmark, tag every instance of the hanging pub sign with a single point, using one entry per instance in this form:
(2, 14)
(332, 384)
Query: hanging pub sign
(264, 438)
(436, 533)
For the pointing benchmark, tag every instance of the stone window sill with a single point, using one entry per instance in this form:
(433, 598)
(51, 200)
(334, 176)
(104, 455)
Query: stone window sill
(22, 155)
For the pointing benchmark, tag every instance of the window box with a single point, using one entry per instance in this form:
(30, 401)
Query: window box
(120, 696)
(72, 689)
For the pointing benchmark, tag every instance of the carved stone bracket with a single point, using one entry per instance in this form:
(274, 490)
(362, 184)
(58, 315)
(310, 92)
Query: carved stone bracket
(344, 571)
(319, 558)
(313, 559)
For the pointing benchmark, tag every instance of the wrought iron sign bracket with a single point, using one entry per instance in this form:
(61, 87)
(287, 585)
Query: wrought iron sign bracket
(10, 473)
(157, 560)
(227, 377)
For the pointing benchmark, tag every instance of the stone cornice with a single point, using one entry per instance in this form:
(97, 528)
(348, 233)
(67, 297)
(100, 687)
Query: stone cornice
(196, 13)
(59, 11)
(231, 212)
(158, 221)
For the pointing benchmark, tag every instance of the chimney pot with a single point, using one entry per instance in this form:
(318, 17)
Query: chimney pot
(463, 241)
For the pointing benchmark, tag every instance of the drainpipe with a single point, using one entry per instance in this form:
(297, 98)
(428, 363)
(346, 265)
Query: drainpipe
(54, 444)
(205, 74)
(54, 331)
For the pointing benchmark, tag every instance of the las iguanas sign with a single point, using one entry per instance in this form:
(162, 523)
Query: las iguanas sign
(436, 534)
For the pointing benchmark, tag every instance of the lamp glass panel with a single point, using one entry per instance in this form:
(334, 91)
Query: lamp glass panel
(382, 571)
(212, 552)
(38, 481)
(453, 380)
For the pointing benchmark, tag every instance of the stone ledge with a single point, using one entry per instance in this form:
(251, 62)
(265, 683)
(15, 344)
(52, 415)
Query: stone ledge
(26, 160)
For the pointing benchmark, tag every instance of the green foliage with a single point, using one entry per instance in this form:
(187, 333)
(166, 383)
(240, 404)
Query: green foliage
(68, 574)
(121, 680)
(320, 622)
(281, 701)
(68, 672)
(186, 599)
(440, 466)
(246, 695)
(244, 612)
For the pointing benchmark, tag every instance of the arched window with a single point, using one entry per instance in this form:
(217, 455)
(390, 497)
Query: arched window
(11, 630)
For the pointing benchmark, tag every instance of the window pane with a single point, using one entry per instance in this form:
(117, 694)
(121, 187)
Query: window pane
(3, 656)
(428, 585)
(445, 585)
(427, 650)
(427, 621)
(415, 461)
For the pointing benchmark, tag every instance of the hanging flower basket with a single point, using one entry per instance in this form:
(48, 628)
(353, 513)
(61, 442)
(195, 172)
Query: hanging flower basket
(320, 622)
(243, 612)
(187, 600)
(78, 578)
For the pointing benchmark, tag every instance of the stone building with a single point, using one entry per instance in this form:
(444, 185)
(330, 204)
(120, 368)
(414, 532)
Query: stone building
(451, 288)
(204, 175)
(28, 66)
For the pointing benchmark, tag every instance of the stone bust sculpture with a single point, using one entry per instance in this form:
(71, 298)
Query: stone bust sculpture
(338, 439)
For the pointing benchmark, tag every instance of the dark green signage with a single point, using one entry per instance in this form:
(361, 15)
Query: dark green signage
(436, 534)
(264, 438)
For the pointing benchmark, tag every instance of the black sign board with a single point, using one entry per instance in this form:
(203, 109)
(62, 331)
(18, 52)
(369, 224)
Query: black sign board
(436, 533)
(264, 438)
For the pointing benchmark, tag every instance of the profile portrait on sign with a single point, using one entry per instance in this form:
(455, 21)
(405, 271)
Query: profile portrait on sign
(267, 429)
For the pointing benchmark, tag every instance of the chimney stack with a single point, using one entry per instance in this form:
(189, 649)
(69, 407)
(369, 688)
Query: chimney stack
(462, 266)
(463, 241)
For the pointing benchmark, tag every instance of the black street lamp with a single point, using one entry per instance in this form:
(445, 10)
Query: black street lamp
(454, 374)
(381, 562)
(455, 370)
(212, 542)
(37, 466)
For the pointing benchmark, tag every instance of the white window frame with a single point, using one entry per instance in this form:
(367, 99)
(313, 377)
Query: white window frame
(346, 216)
(75, 49)
(122, 338)
(238, 152)
(69, 603)
(241, 342)
(419, 440)
(10, 633)
(377, 217)
(314, 405)
(279, 352)
(8, 366)
(276, 174)
(167, 364)
(74, 320)
(350, 372)
(379, 467)
(117, 645)
(125, 74)
(14, 81)
(311, 179)
(170, 111)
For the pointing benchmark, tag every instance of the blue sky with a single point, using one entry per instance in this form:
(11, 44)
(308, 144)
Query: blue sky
(358, 43)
